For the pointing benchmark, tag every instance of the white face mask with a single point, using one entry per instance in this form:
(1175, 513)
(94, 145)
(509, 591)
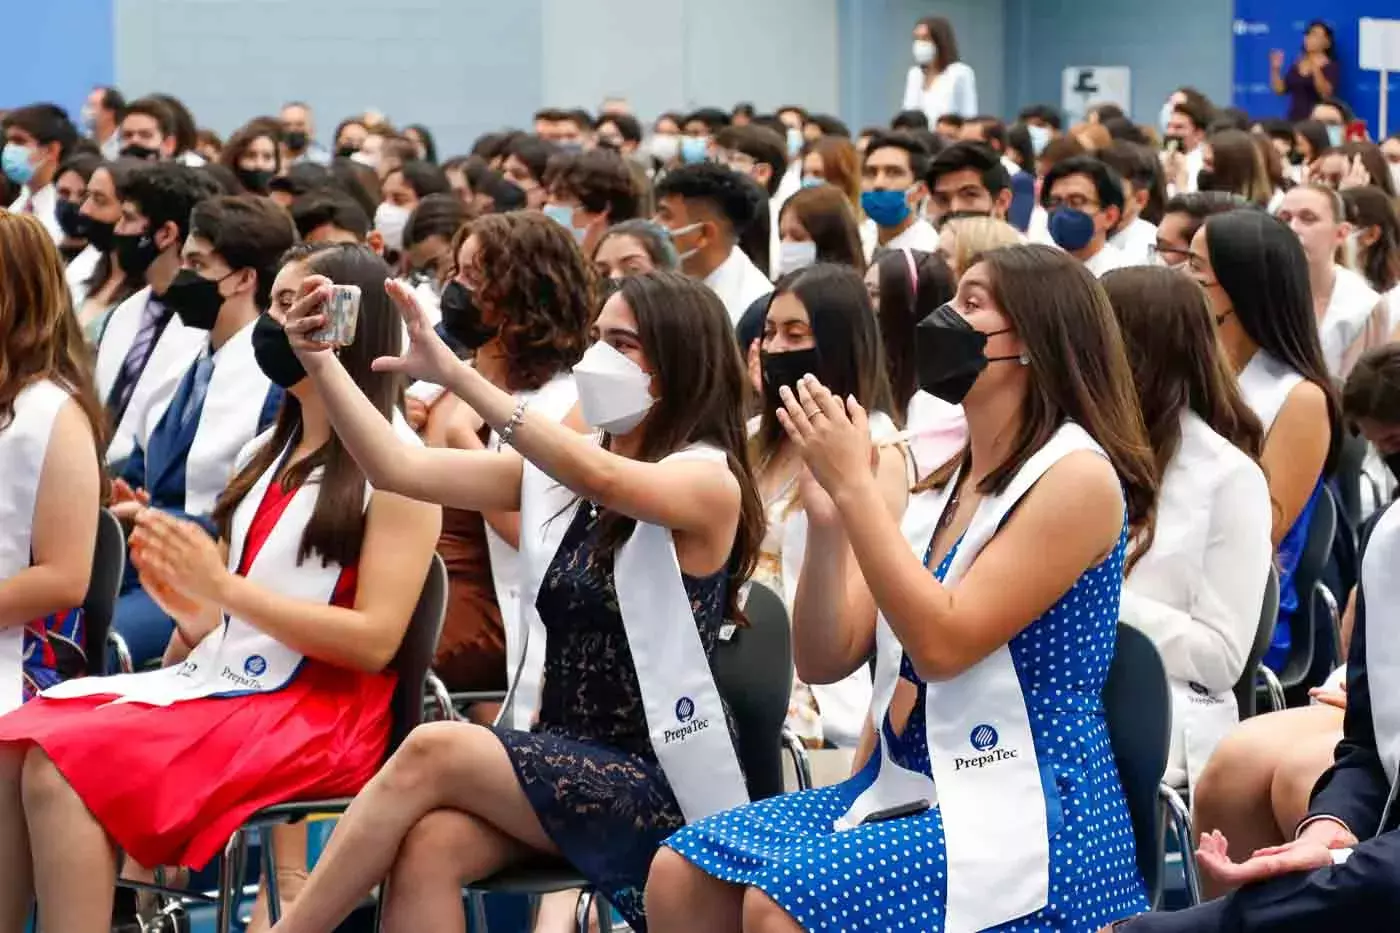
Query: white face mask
(1351, 251)
(389, 220)
(1040, 137)
(1395, 174)
(924, 51)
(613, 392)
(794, 255)
(665, 147)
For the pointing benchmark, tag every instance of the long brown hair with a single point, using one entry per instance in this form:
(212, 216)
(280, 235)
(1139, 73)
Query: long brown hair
(337, 526)
(1078, 372)
(40, 337)
(826, 214)
(1176, 360)
(840, 166)
(940, 30)
(536, 280)
(912, 284)
(688, 337)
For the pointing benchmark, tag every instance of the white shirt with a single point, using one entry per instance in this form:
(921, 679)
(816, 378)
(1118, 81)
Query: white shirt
(738, 283)
(1038, 230)
(953, 91)
(43, 204)
(1106, 260)
(112, 147)
(919, 235)
(1136, 241)
(1392, 303)
(79, 270)
(1197, 591)
(1348, 315)
(1195, 162)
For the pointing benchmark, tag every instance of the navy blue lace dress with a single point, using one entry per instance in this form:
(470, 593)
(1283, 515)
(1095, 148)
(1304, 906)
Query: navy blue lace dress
(588, 767)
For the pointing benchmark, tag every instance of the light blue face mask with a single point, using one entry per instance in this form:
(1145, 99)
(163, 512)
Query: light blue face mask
(813, 182)
(694, 149)
(1040, 137)
(563, 215)
(17, 163)
(794, 142)
(1334, 134)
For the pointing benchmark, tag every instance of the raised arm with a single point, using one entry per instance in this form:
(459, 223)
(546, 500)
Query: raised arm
(945, 630)
(399, 539)
(65, 526)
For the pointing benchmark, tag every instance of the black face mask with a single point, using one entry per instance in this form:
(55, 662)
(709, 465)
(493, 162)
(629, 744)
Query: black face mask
(295, 140)
(195, 298)
(274, 354)
(949, 354)
(98, 233)
(138, 151)
(785, 369)
(135, 252)
(346, 152)
(72, 223)
(255, 180)
(1206, 180)
(70, 253)
(1295, 158)
(461, 317)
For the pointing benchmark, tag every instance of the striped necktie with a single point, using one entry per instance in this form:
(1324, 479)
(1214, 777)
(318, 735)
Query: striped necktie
(136, 357)
(203, 372)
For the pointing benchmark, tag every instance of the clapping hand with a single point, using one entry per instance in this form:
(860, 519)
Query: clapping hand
(194, 617)
(832, 436)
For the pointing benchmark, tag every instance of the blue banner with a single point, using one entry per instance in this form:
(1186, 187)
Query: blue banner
(1264, 25)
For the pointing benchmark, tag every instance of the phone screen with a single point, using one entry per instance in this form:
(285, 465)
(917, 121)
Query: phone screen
(1356, 131)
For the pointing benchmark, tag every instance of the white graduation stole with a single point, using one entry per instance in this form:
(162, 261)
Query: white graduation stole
(553, 400)
(24, 444)
(986, 777)
(684, 713)
(1265, 383)
(238, 658)
(1381, 586)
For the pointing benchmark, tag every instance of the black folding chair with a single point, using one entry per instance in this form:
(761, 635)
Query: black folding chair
(1137, 706)
(108, 565)
(1248, 686)
(748, 667)
(1317, 613)
(411, 663)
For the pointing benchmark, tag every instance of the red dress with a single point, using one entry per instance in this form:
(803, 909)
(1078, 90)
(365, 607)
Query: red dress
(170, 784)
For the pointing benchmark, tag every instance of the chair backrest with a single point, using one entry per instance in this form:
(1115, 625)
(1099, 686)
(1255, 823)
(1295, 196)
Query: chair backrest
(1317, 548)
(1348, 477)
(108, 565)
(1268, 617)
(753, 671)
(1137, 705)
(415, 653)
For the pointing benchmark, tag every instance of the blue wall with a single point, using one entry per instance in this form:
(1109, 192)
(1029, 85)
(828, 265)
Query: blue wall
(55, 51)
(1167, 43)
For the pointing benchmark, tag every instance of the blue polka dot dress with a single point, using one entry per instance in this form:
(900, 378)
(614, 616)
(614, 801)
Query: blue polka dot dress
(893, 875)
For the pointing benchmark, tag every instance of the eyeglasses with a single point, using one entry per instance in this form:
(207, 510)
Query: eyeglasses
(1076, 202)
(1171, 256)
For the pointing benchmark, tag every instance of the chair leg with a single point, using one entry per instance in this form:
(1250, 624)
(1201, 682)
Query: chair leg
(269, 873)
(1180, 819)
(801, 764)
(585, 907)
(230, 881)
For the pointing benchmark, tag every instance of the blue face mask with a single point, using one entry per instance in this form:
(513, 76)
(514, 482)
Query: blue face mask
(1071, 230)
(886, 208)
(1040, 138)
(1334, 134)
(794, 142)
(16, 163)
(694, 149)
(563, 215)
(813, 182)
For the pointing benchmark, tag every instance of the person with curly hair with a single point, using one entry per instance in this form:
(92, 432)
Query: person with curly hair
(519, 300)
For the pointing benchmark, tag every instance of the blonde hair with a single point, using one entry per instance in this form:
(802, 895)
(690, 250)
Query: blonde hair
(977, 235)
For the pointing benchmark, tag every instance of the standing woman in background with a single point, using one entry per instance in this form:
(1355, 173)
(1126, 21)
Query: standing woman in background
(939, 82)
(1313, 76)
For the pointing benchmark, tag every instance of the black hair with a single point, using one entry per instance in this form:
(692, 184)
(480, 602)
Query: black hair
(719, 186)
(910, 120)
(183, 122)
(1342, 106)
(534, 152)
(599, 178)
(1139, 165)
(1260, 264)
(248, 232)
(1106, 111)
(1020, 147)
(1108, 184)
(993, 131)
(628, 127)
(1315, 132)
(753, 237)
(713, 118)
(323, 206)
(1121, 128)
(156, 109)
(978, 157)
(47, 123)
(1200, 115)
(953, 120)
(1202, 205)
(429, 144)
(653, 237)
(358, 181)
(1042, 112)
(1331, 50)
(829, 125)
(505, 194)
(222, 177)
(792, 108)
(918, 153)
(760, 144)
(167, 192)
(490, 145)
(744, 109)
(84, 163)
(906, 300)
(1229, 118)
(302, 177)
(112, 100)
(424, 178)
(436, 215)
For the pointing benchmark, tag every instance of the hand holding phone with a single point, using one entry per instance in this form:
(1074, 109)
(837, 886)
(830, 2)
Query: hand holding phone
(342, 311)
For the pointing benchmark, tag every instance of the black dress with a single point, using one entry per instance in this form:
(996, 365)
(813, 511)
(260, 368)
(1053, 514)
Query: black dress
(587, 766)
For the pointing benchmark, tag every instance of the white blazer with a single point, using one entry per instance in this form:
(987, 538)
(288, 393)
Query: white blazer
(1344, 327)
(954, 91)
(1198, 590)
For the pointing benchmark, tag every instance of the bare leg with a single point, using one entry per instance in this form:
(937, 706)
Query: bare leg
(442, 766)
(683, 899)
(1301, 764)
(17, 878)
(69, 844)
(558, 913)
(762, 915)
(289, 860)
(444, 850)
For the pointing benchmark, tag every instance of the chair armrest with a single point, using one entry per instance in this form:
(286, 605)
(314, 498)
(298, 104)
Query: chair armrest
(439, 696)
(801, 763)
(1180, 819)
(123, 652)
(1273, 690)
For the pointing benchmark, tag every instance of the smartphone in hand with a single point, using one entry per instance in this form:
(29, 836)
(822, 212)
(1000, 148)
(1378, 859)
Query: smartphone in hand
(342, 311)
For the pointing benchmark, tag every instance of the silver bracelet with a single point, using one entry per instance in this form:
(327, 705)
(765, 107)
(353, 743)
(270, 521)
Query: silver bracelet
(516, 417)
